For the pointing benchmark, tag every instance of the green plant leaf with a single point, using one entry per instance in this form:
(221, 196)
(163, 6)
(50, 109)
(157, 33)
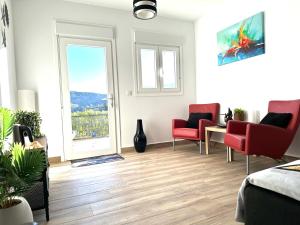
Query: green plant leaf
(7, 120)
(19, 169)
(239, 110)
(28, 164)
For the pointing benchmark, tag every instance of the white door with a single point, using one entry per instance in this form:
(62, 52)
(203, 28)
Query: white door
(87, 98)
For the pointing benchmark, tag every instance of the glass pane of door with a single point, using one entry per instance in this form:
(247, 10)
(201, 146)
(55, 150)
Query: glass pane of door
(88, 97)
(87, 91)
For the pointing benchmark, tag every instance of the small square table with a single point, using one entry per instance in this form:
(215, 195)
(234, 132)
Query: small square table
(208, 131)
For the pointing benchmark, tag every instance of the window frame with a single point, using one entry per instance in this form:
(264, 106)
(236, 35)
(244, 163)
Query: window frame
(159, 90)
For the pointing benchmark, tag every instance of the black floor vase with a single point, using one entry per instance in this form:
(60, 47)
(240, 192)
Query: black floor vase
(140, 140)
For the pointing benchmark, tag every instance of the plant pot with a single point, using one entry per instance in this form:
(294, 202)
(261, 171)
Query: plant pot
(18, 214)
(140, 140)
(239, 116)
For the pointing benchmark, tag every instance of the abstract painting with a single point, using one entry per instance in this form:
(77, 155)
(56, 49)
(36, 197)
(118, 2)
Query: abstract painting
(242, 40)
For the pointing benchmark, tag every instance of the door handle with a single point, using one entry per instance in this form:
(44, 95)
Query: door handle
(110, 98)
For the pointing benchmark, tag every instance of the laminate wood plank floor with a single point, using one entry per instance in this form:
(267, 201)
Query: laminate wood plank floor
(160, 186)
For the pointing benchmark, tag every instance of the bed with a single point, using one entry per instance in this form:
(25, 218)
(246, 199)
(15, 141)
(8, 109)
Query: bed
(270, 197)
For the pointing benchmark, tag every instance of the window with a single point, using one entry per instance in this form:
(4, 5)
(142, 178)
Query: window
(158, 69)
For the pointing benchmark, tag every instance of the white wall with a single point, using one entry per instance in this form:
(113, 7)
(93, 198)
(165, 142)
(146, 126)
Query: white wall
(37, 66)
(7, 66)
(251, 83)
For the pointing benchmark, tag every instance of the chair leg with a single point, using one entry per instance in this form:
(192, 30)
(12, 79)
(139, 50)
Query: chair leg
(227, 152)
(46, 194)
(47, 212)
(231, 155)
(174, 144)
(200, 147)
(247, 164)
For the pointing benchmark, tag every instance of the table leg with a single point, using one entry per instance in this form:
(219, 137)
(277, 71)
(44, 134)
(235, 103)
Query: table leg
(206, 141)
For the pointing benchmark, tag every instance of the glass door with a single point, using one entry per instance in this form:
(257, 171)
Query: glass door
(87, 97)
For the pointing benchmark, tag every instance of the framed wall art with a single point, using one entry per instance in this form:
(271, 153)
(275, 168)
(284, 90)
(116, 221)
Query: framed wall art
(242, 40)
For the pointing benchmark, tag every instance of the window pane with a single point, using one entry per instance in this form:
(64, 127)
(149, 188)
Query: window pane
(148, 68)
(169, 69)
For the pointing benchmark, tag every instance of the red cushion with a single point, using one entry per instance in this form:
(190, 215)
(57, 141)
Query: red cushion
(187, 133)
(235, 141)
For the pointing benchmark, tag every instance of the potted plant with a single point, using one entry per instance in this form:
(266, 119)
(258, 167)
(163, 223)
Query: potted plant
(30, 119)
(239, 114)
(19, 169)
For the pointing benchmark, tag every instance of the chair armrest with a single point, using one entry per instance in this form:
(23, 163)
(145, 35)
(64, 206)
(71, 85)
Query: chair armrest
(236, 127)
(202, 124)
(267, 140)
(205, 123)
(178, 123)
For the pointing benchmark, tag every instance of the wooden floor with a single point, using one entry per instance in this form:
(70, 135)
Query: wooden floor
(159, 186)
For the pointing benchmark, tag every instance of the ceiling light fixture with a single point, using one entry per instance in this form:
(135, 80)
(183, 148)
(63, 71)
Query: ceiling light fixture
(144, 9)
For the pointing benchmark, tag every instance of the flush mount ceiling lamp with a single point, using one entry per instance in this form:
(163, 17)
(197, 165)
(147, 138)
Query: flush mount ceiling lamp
(144, 9)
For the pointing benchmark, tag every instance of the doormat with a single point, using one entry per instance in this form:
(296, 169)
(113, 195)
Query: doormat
(96, 160)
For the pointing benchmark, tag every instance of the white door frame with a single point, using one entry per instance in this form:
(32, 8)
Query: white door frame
(65, 109)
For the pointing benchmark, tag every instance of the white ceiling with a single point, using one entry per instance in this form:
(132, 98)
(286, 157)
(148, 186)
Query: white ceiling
(181, 9)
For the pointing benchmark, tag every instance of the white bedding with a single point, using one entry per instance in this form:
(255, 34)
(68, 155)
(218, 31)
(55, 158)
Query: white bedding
(285, 182)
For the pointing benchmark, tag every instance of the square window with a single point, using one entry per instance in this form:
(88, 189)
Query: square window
(157, 69)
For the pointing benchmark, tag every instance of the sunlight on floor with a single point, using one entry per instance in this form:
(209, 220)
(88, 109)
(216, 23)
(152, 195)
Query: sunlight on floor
(94, 144)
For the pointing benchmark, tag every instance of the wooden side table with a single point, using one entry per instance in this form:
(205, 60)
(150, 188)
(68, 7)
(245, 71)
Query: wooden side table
(208, 131)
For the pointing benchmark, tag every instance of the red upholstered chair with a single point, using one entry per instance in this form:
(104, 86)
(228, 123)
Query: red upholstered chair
(261, 139)
(179, 126)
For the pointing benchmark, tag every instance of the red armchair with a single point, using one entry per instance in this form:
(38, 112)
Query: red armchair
(260, 139)
(179, 126)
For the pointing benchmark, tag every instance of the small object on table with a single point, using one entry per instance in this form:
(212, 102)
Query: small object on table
(228, 116)
(222, 125)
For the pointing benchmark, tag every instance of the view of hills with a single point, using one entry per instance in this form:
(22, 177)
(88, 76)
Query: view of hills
(87, 100)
